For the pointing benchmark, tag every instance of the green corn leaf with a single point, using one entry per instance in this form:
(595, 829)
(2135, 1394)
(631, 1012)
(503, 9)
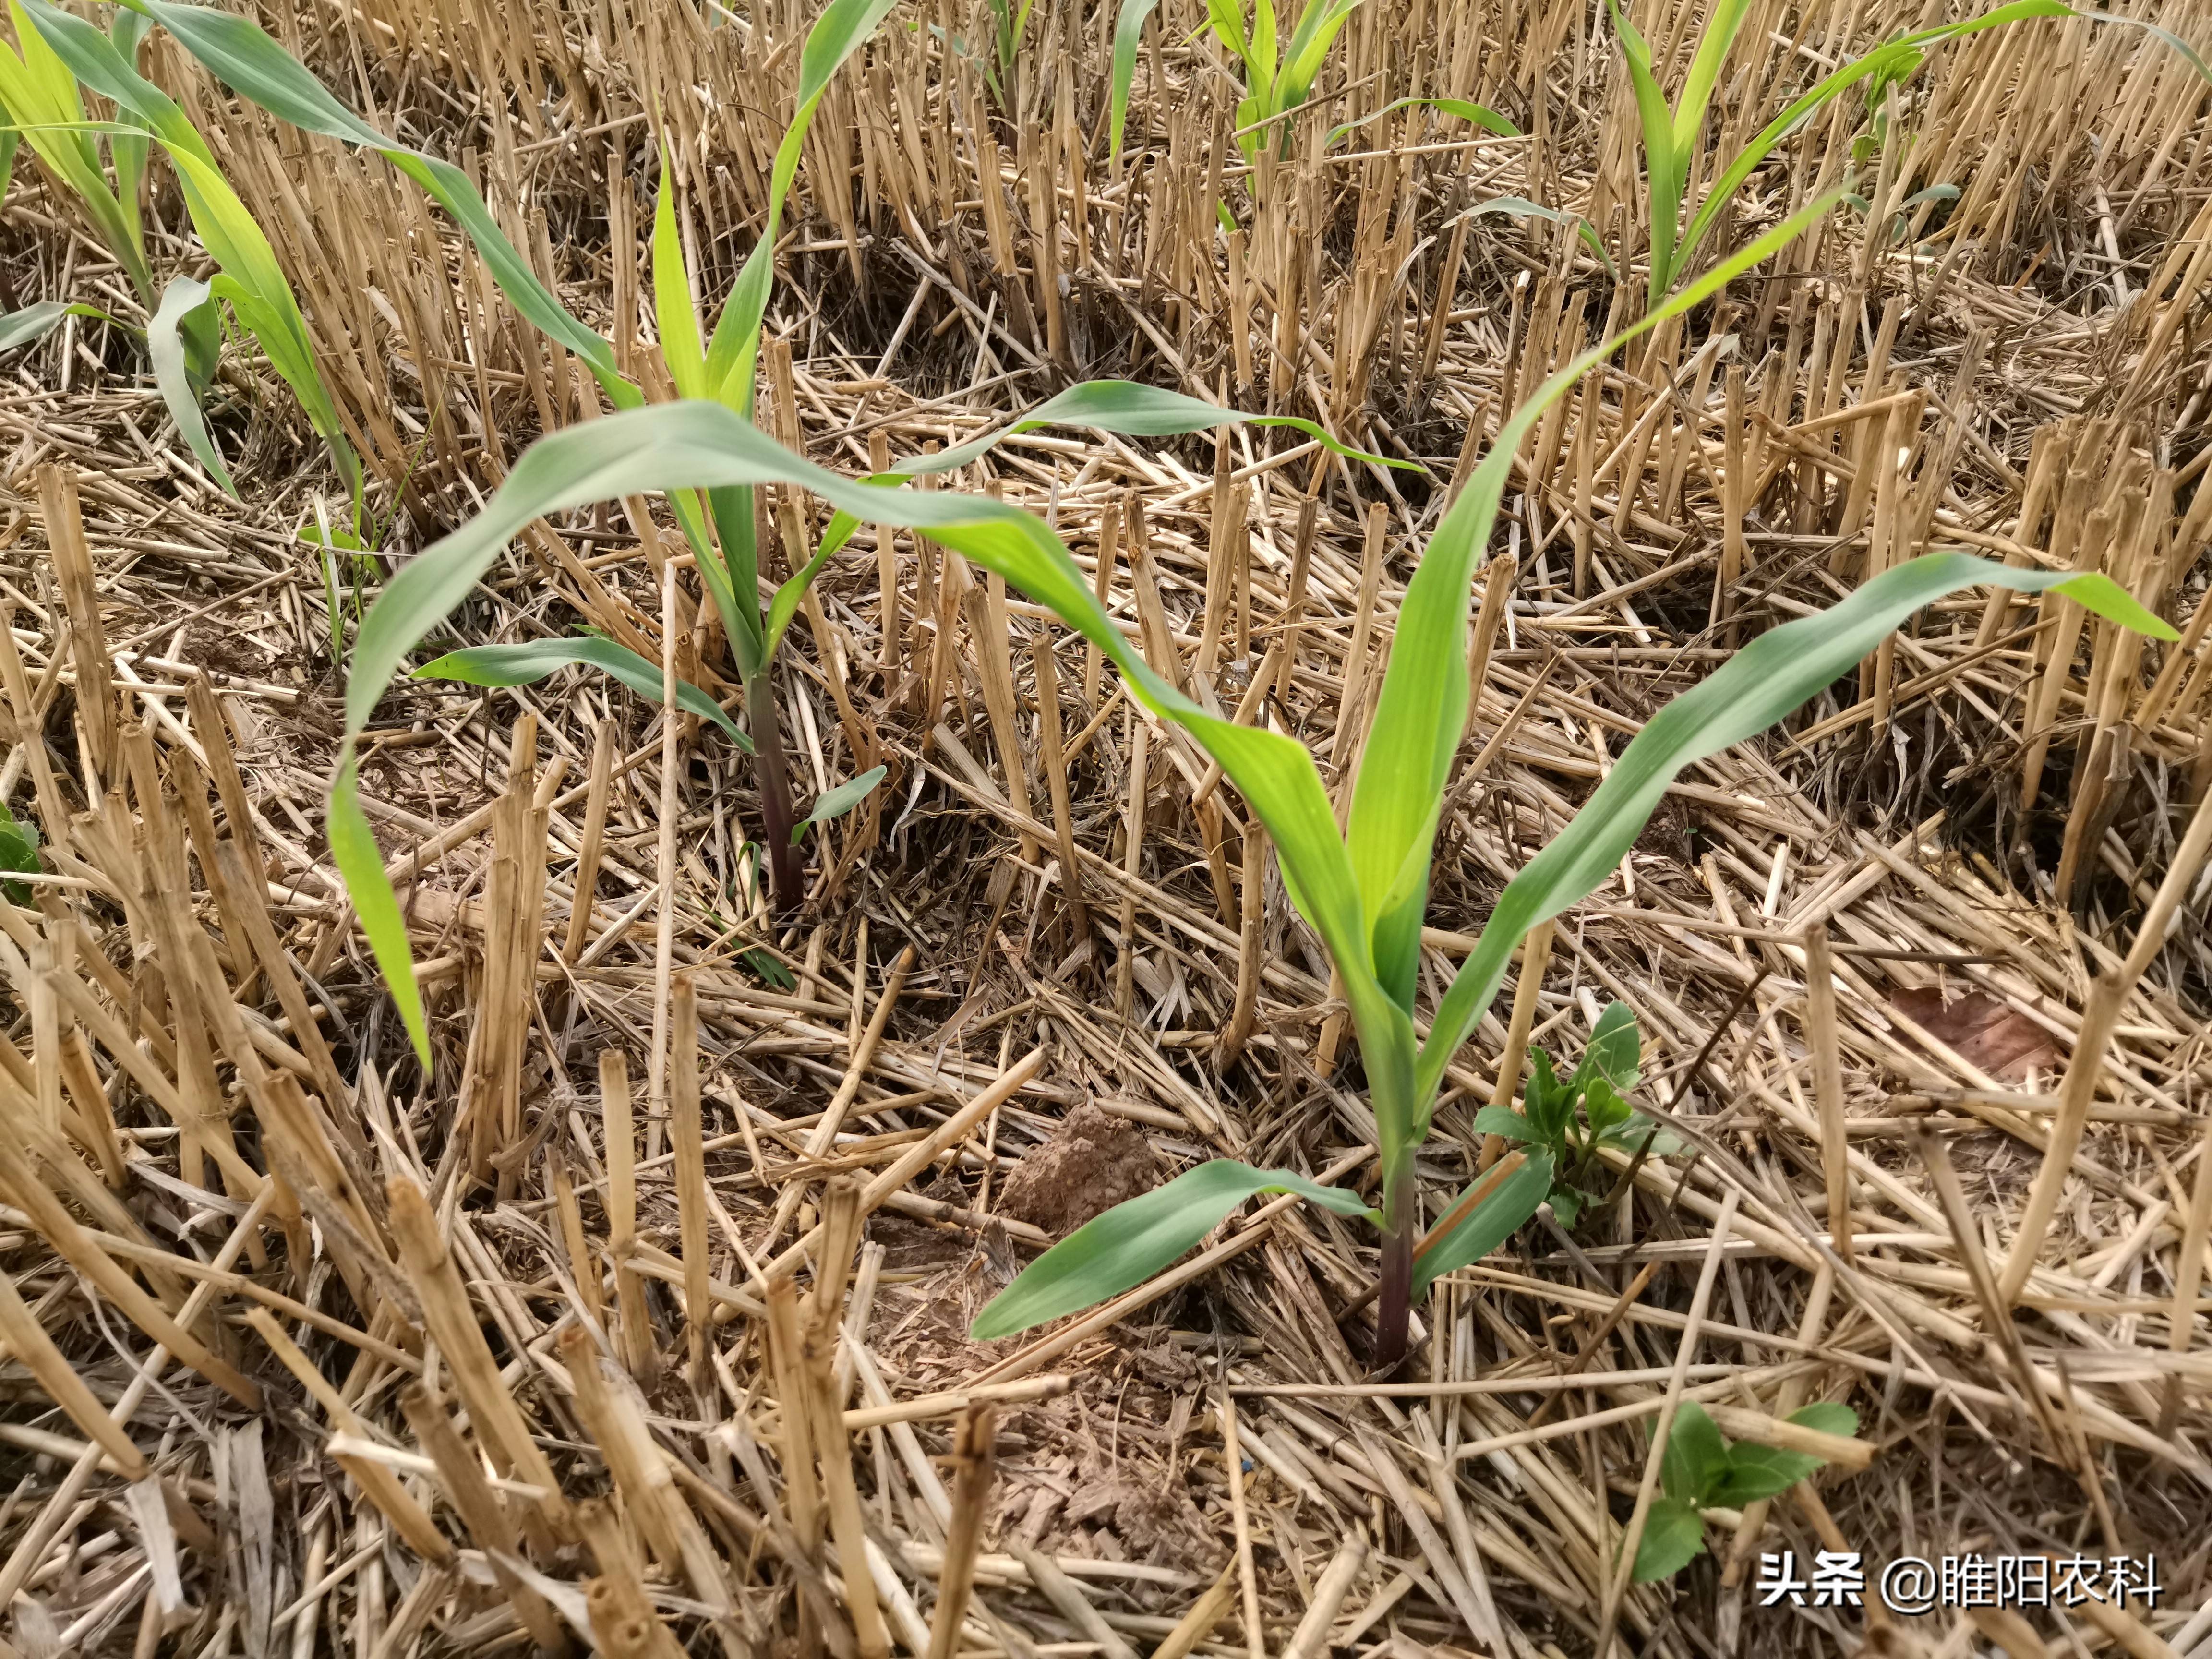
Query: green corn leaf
(835, 803)
(1674, 1536)
(1757, 1472)
(1520, 207)
(1120, 406)
(238, 53)
(1423, 698)
(533, 660)
(1721, 30)
(1883, 59)
(41, 318)
(1767, 680)
(1480, 114)
(168, 344)
(1123, 1248)
(1696, 1458)
(1489, 1224)
(1665, 172)
(1128, 34)
(39, 93)
(361, 867)
(1318, 26)
(672, 312)
(843, 28)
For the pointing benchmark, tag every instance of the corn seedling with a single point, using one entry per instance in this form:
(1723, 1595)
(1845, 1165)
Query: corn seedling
(1573, 1119)
(1671, 135)
(1701, 1470)
(1365, 891)
(40, 102)
(181, 338)
(1278, 74)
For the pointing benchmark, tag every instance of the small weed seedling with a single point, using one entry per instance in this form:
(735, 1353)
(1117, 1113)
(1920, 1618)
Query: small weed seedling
(1700, 1470)
(1572, 1119)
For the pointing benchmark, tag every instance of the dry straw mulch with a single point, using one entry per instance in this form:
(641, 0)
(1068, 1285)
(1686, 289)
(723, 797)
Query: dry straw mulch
(308, 1349)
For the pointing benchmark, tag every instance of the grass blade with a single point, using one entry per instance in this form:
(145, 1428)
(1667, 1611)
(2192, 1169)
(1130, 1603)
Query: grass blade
(1123, 1248)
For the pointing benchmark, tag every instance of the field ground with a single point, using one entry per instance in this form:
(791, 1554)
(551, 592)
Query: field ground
(1048, 962)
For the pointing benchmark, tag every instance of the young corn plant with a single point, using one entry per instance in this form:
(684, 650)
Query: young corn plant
(1573, 1120)
(1671, 135)
(40, 103)
(184, 335)
(1700, 1469)
(1278, 74)
(714, 511)
(1363, 890)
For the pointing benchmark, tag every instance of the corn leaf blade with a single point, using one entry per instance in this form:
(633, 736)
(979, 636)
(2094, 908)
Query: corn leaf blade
(1490, 1222)
(1123, 1248)
(168, 343)
(533, 660)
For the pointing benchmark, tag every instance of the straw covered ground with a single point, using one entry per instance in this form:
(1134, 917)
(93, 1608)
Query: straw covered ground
(310, 1348)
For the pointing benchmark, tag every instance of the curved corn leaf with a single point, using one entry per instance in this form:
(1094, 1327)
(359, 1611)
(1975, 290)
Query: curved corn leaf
(1489, 1224)
(253, 280)
(835, 803)
(1767, 680)
(39, 90)
(533, 660)
(843, 28)
(1128, 33)
(41, 318)
(1123, 1248)
(1125, 407)
(1480, 115)
(170, 345)
(1520, 207)
(238, 53)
